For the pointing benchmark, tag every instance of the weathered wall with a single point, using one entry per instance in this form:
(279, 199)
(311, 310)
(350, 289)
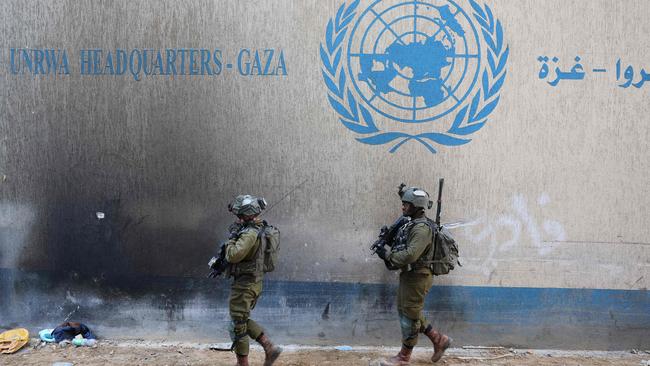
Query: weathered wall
(550, 199)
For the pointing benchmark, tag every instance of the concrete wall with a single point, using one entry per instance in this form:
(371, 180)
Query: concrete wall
(549, 201)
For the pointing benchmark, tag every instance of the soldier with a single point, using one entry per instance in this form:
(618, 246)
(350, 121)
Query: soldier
(245, 255)
(412, 252)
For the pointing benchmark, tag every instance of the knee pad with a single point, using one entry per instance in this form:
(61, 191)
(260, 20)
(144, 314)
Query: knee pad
(237, 330)
(409, 327)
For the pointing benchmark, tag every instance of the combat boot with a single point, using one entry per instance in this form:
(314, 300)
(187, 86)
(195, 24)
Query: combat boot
(440, 342)
(242, 360)
(401, 359)
(271, 352)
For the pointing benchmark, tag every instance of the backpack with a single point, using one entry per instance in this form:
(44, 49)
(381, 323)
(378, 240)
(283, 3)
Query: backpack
(445, 252)
(270, 236)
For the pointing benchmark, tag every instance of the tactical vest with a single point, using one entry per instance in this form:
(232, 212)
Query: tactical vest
(255, 264)
(401, 243)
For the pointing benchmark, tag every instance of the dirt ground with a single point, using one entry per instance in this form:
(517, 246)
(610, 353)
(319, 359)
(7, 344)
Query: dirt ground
(151, 353)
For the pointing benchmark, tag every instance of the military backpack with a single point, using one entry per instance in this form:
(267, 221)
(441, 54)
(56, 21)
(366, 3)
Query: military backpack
(270, 236)
(445, 252)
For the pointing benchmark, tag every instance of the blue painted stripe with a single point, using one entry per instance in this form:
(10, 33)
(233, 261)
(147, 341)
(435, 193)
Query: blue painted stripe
(298, 312)
(487, 305)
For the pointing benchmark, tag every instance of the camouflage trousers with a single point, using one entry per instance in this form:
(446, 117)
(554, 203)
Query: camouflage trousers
(413, 289)
(244, 293)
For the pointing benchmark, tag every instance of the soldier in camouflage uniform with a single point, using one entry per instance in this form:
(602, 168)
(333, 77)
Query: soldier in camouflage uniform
(246, 257)
(412, 252)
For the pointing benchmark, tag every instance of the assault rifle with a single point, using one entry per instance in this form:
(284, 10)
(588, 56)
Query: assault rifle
(218, 265)
(387, 237)
(387, 234)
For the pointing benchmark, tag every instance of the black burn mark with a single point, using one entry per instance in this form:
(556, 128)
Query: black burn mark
(81, 242)
(78, 242)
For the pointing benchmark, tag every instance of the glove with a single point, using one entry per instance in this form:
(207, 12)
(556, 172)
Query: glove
(234, 230)
(382, 253)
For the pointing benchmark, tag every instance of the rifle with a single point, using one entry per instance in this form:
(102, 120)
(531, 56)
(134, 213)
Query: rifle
(387, 237)
(387, 234)
(436, 232)
(219, 264)
(439, 208)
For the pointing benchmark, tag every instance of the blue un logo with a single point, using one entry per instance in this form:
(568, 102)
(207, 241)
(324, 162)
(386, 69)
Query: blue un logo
(413, 62)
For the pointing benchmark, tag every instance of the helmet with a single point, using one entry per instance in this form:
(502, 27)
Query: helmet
(247, 205)
(416, 196)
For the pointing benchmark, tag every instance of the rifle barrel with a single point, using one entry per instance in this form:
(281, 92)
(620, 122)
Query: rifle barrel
(441, 182)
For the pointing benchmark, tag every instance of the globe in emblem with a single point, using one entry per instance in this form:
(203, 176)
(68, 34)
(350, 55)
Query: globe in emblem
(414, 61)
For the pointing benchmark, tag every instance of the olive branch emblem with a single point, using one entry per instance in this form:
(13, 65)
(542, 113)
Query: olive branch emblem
(468, 120)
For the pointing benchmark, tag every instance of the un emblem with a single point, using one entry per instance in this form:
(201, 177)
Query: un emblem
(395, 70)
